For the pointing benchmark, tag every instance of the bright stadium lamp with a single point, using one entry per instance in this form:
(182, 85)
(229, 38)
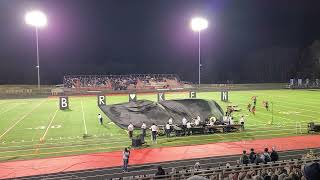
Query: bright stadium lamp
(198, 24)
(36, 19)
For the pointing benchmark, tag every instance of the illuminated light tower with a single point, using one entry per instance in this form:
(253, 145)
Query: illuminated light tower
(198, 24)
(37, 19)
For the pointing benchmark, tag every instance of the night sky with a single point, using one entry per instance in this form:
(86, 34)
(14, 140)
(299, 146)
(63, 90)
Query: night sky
(148, 36)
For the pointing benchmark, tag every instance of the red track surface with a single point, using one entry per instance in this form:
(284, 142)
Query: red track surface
(150, 155)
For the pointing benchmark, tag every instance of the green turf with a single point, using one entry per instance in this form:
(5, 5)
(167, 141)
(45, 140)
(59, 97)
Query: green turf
(24, 122)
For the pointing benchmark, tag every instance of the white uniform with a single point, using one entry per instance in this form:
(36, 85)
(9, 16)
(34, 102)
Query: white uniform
(144, 126)
(167, 126)
(184, 121)
(130, 127)
(231, 121)
(225, 118)
(154, 128)
(212, 121)
(189, 125)
(197, 121)
(170, 121)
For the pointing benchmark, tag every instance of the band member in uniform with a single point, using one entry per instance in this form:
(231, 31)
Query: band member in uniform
(168, 129)
(249, 107)
(197, 121)
(130, 129)
(184, 125)
(143, 128)
(266, 105)
(170, 121)
(242, 122)
(154, 130)
(254, 100)
(188, 127)
(253, 110)
(100, 119)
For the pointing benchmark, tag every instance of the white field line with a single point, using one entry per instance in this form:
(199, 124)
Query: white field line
(260, 112)
(23, 117)
(286, 107)
(44, 135)
(84, 119)
(208, 137)
(9, 109)
(59, 152)
(281, 116)
(257, 126)
(4, 102)
(310, 104)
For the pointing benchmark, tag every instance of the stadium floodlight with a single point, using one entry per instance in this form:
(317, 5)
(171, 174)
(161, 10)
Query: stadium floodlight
(36, 19)
(198, 24)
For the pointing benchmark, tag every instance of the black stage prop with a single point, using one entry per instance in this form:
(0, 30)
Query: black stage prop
(159, 113)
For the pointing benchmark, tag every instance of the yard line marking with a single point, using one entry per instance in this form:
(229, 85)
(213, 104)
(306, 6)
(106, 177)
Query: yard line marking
(279, 115)
(4, 102)
(7, 110)
(44, 135)
(208, 137)
(23, 117)
(288, 100)
(161, 140)
(84, 119)
(219, 135)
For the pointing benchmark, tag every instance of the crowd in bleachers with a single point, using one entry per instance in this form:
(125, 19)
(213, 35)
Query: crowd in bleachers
(122, 82)
(267, 168)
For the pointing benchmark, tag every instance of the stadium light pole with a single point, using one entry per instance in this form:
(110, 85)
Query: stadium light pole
(37, 19)
(198, 24)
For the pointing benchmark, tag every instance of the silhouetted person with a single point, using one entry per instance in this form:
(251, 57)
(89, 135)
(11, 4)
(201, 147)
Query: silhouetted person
(160, 172)
(274, 155)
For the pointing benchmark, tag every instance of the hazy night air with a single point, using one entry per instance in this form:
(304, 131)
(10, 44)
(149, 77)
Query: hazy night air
(122, 37)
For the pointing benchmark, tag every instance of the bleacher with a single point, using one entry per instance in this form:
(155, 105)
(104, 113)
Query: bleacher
(219, 168)
(122, 82)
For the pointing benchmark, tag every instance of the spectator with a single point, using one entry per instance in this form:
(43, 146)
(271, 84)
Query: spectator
(274, 155)
(259, 158)
(125, 157)
(266, 155)
(274, 177)
(244, 158)
(197, 166)
(196, 177)
(252, 155)
(312, 171)
(160, 171)
(266, 177)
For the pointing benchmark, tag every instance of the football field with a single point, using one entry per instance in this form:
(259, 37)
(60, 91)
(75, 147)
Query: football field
(36, 128)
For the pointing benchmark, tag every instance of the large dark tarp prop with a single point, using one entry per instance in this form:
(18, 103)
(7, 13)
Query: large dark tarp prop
(160, 112)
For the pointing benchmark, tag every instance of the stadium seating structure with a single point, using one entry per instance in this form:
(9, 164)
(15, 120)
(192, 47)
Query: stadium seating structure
(122, 82)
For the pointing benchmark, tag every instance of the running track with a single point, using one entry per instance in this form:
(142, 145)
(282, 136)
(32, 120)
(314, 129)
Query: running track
(150, 155)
